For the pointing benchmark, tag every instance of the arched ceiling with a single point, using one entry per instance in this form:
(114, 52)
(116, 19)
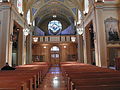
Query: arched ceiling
(55, 8)
(63, 8)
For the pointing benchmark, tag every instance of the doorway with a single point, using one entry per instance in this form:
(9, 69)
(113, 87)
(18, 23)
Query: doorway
(90, 47)
(55, 56)
(15, 37)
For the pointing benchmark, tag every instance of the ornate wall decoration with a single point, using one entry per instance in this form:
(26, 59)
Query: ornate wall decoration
(112, 30)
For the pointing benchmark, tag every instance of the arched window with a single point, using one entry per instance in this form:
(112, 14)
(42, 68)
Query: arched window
(86, 4)
(28, 17)
(55, 49)
(54, 26)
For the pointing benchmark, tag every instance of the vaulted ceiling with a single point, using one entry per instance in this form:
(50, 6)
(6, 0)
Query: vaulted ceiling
(47, 8)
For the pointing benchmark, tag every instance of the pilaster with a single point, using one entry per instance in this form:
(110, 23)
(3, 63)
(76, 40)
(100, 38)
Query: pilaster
(5, 13)
(29, 49)
(100, 37)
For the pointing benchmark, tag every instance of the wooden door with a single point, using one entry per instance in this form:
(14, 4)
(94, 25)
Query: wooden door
(55, 59)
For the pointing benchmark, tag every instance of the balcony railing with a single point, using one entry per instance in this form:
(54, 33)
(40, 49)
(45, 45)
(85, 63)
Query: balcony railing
(54, 39)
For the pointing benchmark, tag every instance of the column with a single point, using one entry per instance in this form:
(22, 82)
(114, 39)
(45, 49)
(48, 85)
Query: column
(10, 42)
(80, 49)
(29, 49)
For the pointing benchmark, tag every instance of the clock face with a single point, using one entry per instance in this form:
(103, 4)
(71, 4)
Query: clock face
(54, 26)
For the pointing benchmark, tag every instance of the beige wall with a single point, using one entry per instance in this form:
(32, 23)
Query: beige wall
(97, 15)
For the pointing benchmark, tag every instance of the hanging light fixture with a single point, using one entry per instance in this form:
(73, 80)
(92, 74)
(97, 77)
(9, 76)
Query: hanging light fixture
(80, 31)
(26, 31)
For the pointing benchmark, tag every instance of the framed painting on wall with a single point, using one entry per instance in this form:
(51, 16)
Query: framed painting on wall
(112, 30)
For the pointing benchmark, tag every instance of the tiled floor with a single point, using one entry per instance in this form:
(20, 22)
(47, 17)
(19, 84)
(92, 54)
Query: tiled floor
(53, 80)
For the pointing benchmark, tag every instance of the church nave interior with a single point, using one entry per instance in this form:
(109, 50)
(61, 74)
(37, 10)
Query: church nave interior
(59, 44)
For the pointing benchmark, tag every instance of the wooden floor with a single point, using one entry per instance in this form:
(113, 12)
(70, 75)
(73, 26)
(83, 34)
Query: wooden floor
(53, 80)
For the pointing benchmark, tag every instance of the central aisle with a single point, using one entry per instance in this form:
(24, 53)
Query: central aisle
(53, 80)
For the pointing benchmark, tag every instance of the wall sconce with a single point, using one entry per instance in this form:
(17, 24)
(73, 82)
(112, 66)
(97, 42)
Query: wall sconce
(35, 39)
(65, 46)
(26, 31)
(44, 47)
(80, 31)
(73, 39)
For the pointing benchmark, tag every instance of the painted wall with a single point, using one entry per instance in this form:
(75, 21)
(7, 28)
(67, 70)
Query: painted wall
(113, 12)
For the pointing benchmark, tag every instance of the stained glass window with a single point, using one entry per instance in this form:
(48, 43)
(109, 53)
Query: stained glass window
(54, 26)
(28, 17)
(86, 6)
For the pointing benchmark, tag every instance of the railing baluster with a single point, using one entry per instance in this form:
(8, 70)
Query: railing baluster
(56, 38)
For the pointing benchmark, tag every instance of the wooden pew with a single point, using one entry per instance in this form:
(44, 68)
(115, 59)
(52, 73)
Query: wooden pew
(13, 85)
(25, 77)
(22, 74)
(98, 87)
(84, 75)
